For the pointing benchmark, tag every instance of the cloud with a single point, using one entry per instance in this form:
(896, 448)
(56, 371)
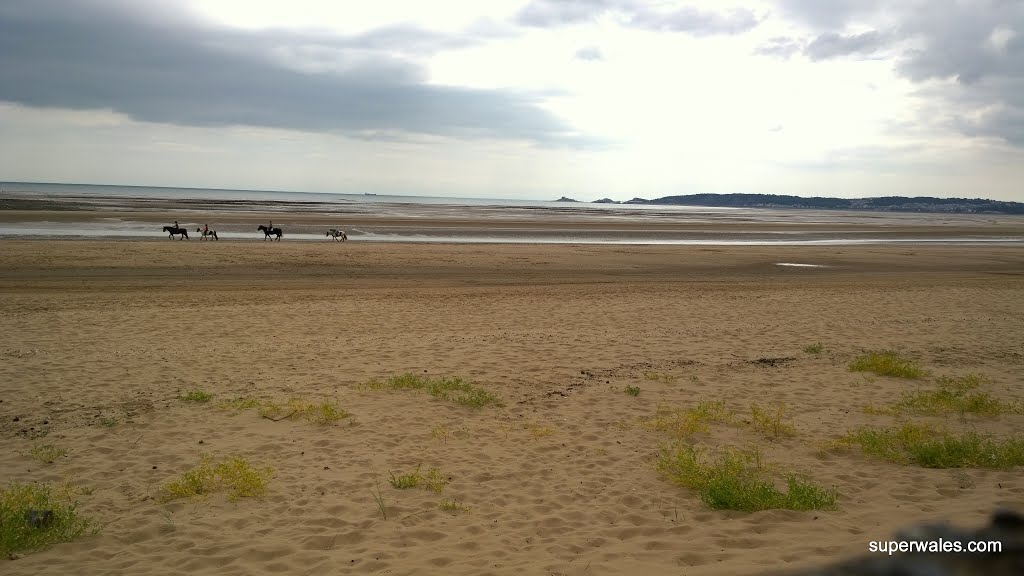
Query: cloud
(696, 22)
(828, 14)
(780, 47)
(550, 13)
(158, 65)
(832, 45)
(971, 55)
(636, 14)
(589, 53)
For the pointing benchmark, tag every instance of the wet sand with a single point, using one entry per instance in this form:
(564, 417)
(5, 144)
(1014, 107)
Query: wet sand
(510, 224)
(561, 479)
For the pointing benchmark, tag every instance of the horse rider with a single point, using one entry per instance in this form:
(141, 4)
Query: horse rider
(176, 224)
(206, 229)
(271, 227)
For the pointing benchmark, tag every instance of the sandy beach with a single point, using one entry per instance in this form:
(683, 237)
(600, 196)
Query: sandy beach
(101, 337)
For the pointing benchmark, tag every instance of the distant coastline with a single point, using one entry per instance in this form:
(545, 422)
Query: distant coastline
(924, 204)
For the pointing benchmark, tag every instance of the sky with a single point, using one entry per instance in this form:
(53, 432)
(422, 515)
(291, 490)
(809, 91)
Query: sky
(531, 99)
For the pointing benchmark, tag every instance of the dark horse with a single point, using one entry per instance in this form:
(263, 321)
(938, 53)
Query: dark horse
(268, 232)
(207, 233)
(173, 231)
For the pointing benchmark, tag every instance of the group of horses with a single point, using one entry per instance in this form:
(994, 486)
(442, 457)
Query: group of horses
(172, 231)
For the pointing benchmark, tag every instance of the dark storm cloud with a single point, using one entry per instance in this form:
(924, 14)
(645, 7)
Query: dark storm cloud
(833, 45)
(636, 14)
(160, 66)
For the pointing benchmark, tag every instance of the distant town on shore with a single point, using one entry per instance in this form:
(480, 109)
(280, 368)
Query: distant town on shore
(886, 204)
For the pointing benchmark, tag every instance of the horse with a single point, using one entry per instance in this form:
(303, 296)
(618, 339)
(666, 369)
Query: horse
(207, 233)
(173, 231)
(339, 235)
(268, 232)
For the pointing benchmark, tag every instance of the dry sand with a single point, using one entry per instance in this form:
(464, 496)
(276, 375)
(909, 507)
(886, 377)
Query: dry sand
(98, 330)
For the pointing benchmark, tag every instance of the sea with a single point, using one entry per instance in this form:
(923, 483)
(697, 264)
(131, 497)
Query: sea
(479, 220)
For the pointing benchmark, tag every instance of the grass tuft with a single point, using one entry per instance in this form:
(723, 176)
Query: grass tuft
(47, 453)
(816, 348)
(633, 390)
(440, 433)
(737, 481)
(686, 422)
(234, 475)
(769, 422)
(37, 516)
(929, 447)
(452, 389)
(379, 499)
(452, 506)
(238, 404)
(953, 396)
(887, 363)
(405, 481)
(323, 412)
(435, 480)
(196, 396)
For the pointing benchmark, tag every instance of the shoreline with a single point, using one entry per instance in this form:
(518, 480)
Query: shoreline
(487, 224)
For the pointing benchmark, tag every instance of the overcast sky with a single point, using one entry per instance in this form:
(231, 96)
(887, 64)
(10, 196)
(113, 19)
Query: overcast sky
(518, 99)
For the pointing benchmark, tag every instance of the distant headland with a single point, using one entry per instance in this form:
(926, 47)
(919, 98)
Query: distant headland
(885, 204)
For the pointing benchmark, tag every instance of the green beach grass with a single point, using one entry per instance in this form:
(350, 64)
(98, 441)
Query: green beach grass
(738, 481)
(37, 516)
(931, 447)
(452, 389)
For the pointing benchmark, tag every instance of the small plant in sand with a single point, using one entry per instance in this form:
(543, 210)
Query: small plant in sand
(770, 421)
(234, 475)
(816, 348)
(663, 377)
(738, 481)
(109, 422)
(440, 433)
(633, 390)
(47, 453)
(686, 422)
(379, 499)
(168, 525)
(953, 396)
(453, 389)
(539, 431)
(451, 505)
(195, 396)
(239, 404)
(37, 516)
(323, 412)
(433, 480)
(887, 363)
(405, 481)
(930, 447)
